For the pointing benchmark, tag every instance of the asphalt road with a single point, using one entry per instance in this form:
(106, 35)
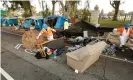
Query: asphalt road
(23, 66)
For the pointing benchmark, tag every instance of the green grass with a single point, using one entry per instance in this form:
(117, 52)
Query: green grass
(114, 24)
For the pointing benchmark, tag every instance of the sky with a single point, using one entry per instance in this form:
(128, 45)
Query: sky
(103, 4)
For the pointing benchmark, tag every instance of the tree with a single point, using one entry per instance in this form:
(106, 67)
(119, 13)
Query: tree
(45, 12)
(53, 3)
(111, 13)
(23, 4)
(69, 9)
(33, 9)
(101, 14)
(87, 4)
(130, 13)
(96, 7)
(115, 4)
(122, 12)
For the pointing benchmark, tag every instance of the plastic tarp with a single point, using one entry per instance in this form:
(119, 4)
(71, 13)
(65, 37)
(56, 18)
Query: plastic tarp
(1, 20)
(15, 21)
(10, 22)
(60, 21)
(4, 22)
(26, 24)
(39, 24)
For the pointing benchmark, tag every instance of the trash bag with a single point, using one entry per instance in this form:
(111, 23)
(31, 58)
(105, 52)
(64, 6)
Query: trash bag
(40, 56)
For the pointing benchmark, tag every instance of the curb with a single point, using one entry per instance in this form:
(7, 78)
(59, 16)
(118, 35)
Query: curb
(12, 31)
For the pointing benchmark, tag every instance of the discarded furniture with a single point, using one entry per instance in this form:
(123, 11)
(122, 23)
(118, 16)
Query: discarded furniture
(29, 41)
(84, 57)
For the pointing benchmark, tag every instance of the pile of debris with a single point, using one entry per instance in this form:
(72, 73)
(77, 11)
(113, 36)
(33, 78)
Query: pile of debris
(82, 51)
(78, 28)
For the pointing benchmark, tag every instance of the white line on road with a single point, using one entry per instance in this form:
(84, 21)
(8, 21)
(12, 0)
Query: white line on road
(119, 59)
(18, 46)
(26, 50)
(11, 33)
(6, 75)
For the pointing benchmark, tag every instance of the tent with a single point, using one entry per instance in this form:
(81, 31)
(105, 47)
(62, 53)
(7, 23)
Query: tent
(38, 20)
(56, 21)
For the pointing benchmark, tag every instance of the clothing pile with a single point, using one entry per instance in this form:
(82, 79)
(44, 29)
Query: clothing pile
(73, 48)
(49, 53)
(110, 50)
(79, 41)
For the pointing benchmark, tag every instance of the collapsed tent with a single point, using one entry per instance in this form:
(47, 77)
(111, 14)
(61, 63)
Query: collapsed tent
(78, 28)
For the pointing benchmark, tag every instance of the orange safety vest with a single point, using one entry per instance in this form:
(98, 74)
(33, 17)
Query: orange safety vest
(122, 29)
(47, 32)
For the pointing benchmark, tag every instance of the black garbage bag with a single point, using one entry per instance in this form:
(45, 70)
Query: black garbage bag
(40, 56)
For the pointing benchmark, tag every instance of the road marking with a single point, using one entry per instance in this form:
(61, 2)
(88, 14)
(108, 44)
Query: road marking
(18, 46)
(6, 75)
(29, 52)
(119, 59)
(11, 33)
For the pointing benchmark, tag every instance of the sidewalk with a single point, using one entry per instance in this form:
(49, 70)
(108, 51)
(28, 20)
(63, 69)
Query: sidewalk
(20, 31)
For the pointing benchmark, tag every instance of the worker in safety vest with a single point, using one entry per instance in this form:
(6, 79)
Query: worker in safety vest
(124, 34)
(47, 31)
(66, 24)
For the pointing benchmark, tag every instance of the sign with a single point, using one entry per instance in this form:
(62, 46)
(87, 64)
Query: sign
(94, 17)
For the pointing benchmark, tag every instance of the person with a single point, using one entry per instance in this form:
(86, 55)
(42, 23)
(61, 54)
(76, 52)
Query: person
(26, 24)
(32, 26)
(72, 20)
(47, 30)
(66, 24)
(124, 34)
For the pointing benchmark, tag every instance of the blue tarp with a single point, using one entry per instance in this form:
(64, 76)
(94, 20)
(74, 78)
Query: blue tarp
(37, 20)
(3, 21)
(60, 21)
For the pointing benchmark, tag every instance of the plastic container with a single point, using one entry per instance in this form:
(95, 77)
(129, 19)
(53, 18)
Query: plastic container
(85, 33)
